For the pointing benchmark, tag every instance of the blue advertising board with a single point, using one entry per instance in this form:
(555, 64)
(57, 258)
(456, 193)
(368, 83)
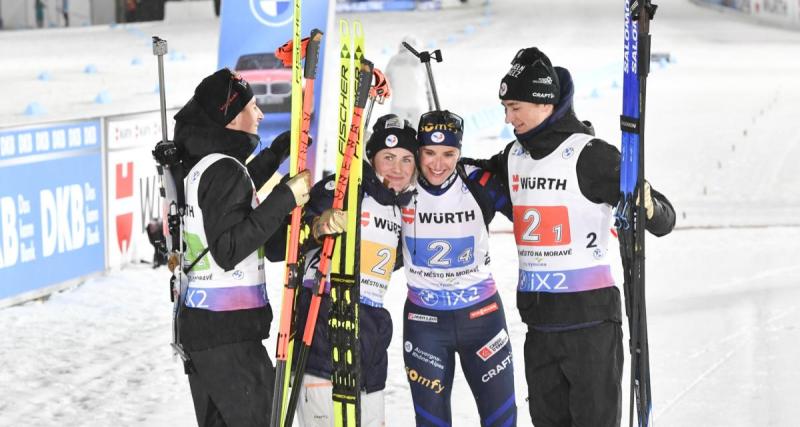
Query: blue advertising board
(250, 32)
(51, 205)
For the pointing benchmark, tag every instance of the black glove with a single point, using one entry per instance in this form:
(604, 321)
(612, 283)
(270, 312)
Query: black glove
(282, 144)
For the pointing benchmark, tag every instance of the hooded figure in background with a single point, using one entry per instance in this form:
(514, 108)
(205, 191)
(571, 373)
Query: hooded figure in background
(410, 94)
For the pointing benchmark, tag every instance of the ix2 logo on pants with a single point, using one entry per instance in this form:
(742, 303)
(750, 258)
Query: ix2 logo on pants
(272, 13)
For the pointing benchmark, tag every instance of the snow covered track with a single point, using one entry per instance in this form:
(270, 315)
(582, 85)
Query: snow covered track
(94, 355)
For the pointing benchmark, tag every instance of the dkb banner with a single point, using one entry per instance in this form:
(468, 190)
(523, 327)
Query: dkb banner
(51, 205)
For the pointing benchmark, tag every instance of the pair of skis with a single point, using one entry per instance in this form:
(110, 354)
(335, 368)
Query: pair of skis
(342, 263)
(630, 215)
(291, 54)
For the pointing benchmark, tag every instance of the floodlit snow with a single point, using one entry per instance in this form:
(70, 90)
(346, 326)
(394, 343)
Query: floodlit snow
(722, 143)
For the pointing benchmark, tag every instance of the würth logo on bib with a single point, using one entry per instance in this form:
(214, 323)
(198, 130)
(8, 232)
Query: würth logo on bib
(408, 215)
(537, 183)
(493, 346)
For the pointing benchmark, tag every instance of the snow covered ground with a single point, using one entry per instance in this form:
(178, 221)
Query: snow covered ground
(722, 142)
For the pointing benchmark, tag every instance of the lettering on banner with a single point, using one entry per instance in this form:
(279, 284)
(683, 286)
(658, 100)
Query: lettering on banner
(59, 139)
(74, 137)
(16, 235)
(25, 143)
(149, 199)
(68, 222)
(89, 135)
(43, 141)
(506, 363)
(7, 147)
(493, 346)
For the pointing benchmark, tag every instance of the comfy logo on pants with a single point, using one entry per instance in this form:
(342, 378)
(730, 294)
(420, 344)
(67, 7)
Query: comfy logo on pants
(416, 377)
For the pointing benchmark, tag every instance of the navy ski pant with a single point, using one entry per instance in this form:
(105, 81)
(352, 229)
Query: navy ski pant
(478, 333)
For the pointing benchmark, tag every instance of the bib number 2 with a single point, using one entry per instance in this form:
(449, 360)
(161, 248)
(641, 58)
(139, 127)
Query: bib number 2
(541, 225)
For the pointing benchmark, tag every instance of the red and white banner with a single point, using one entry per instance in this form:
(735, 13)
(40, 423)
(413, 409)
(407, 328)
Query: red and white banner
(132, 186)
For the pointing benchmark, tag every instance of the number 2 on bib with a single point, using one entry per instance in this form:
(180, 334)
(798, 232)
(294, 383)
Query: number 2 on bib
(541, 225)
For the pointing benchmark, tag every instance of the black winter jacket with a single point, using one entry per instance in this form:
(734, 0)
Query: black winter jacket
(598, 171)
(233, 228)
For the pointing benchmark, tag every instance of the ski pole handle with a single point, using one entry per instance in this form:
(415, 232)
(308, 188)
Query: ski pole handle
(425, 58)
(160, 49)
(312, 54)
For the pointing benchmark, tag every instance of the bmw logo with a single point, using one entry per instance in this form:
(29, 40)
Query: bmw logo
(408, 346)
(598, 253)
(391, 141)
(330, 185)
(238, 274)
(568, 152)
(503, 88)
(428, 297)
(272, 13)
(437, 137)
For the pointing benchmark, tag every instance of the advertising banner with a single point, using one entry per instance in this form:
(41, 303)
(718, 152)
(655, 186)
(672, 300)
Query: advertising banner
(133, 188)
(250, 32)
(51, 205)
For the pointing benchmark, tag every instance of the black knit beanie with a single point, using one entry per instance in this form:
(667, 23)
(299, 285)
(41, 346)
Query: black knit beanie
(223, 95)
(391, 131)
(530, 79)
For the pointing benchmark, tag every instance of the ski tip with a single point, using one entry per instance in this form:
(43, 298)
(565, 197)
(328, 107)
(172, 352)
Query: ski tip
(357, 27)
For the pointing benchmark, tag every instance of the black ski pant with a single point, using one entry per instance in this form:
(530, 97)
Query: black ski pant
(232, 385)
(574, 377)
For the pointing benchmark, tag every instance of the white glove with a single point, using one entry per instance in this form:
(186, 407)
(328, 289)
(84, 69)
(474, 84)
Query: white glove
(300, 185)
(331, 222)
(648, 201)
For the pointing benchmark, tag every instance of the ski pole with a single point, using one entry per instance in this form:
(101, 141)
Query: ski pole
(379, 92)
(425, 58)
(350, 155)
(309, 48)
